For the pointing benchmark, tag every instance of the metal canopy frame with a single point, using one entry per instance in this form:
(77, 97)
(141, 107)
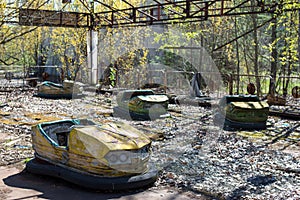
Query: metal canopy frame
(155, 12)
(168, 12)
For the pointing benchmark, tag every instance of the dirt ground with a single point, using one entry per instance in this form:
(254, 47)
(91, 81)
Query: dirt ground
(17, 183)
(184, 167)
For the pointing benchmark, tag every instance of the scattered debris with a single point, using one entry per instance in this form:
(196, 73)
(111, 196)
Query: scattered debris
(190, 152)
(288, 111)
(276, 100)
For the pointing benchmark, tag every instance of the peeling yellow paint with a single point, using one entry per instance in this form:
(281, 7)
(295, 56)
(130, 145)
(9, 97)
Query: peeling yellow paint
(28, 119)
(9, 121)
(271, 135)
(4, 113)
(255, 134)
(88, 146)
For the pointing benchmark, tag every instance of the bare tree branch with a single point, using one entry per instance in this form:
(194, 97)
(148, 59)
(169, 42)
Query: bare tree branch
(18, 35)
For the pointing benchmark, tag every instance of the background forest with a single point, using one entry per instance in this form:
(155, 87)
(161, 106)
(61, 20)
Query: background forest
(262, 48)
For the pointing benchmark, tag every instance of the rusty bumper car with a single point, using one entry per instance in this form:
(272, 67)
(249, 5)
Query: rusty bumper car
(242, 112)
(66, 90)
(141, 105)
(109, 156)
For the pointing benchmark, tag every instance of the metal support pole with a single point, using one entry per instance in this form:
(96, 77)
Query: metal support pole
(92, 50)
(92, 56)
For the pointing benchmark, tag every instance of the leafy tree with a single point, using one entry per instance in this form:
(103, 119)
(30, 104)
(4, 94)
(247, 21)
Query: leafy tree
(122, 55)
(285, 46)
(69, 45)
(246, 45)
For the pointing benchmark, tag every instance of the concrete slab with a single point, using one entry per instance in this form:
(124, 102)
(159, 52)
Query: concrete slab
(16, 183)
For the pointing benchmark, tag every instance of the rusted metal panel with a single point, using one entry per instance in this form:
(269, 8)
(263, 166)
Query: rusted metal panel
(38, 17)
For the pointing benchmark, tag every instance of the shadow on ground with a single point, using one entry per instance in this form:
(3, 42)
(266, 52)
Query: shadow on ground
(24, 185)
(53, 188)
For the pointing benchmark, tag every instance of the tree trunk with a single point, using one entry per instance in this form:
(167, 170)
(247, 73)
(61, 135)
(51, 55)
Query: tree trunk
(238, 58)
(298, 70)
(246, 62)
(287, 80)
(256, 65)
(272, 85)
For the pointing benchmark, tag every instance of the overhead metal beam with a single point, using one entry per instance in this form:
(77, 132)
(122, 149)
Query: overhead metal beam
(157, 12)
(37, 17)
(190, 10)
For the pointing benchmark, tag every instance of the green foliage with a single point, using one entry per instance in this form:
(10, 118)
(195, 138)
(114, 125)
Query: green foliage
(112, 76)
(2, 8)
(287, 21)
(124, 46)
(124, 49)
(69, 46)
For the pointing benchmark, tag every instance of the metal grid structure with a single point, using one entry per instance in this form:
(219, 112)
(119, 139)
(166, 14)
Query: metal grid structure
(152, 12)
